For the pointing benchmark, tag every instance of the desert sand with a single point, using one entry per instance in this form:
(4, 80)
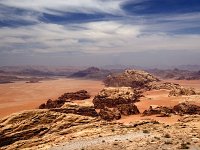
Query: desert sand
(15, 97)
(20, 96)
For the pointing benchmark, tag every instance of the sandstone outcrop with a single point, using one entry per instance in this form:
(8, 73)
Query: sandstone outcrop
(113, 96)
(158, 110)
(67, 97)
(110, 114)
(80, 109)
(131, 78)
(79, 95)
(165, 85)
(182, 91)
(28, 128)
(128, 109)
(180, 109)
(187, 108)
(174, 89)
(53, 104)
(116, 101)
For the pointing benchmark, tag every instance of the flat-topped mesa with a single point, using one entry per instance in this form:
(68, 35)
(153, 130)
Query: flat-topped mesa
(113, 96)
(136, 79)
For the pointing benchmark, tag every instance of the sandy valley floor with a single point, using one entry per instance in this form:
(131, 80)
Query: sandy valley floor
(19, 96)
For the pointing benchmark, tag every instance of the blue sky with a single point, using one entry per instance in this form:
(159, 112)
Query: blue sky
(77, 27)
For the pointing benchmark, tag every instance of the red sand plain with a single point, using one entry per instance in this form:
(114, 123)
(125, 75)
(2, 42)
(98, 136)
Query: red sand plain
(20, 96)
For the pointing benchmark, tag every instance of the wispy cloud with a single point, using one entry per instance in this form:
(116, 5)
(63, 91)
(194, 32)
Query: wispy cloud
(97, 26)
(92, 38)
(59, 6)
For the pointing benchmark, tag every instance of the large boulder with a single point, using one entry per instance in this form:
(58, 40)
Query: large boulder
(109, 114)
(79, 95)
(128, 109)
(182, 91)
(158, 110)
(136, 79)
(187, 108)
(113, 96)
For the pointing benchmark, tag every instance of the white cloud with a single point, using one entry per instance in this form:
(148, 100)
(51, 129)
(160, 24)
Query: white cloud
(95, 37)
(67, 6)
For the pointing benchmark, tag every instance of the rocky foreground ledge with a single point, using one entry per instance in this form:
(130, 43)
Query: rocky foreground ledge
(45, 129)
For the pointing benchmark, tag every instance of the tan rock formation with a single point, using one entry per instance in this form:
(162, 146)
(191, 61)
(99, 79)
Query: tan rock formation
(67, 97)
(131, 78)
(113, 96)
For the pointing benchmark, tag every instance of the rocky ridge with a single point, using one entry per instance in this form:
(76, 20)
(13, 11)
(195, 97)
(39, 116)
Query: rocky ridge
(66, 97)
(184, 108)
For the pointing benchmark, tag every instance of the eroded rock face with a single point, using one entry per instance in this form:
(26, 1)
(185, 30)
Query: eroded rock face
(81, 109)
(175, 89)
(67, 97)
(116, 101)
(113, 96)
(53, 104)
(158, 110)
(131, 78)
(128, 109)
(180, 109)
(79, 95)
(182, 91)
(166, 86)
(187, 108)
(39, 126)
(110, 114)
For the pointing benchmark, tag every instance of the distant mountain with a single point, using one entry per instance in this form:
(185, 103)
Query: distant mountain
(91, 73)
(39, 70)
(190, 67)
(177, 74)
